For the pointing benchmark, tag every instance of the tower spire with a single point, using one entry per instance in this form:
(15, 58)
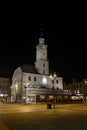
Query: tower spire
(41, 39)
(41, 33)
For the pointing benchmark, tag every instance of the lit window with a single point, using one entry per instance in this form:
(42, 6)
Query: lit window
(85, 81)
(44, 80)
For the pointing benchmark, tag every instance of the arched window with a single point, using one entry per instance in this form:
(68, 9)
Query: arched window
(29, 78)
(34, 78)
(43, 65)
(57, 81)
(43, 72)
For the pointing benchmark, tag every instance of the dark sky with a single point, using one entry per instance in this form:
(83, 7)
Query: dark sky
(65, 33)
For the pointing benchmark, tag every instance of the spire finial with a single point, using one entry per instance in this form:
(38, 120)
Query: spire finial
(41, 39)
(41, 33)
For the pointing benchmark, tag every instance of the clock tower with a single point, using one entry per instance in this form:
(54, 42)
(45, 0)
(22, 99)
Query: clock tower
(42, 64)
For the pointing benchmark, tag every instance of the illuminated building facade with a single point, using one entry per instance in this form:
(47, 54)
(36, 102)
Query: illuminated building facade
(5, 91)
(33, 83)
(78, 90)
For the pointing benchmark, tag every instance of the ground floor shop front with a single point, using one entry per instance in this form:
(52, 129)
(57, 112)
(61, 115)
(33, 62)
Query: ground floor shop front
(34, 95)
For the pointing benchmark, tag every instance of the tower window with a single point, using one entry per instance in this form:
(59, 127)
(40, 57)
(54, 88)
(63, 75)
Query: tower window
(43, 72)
(29, 78)
(43, 65)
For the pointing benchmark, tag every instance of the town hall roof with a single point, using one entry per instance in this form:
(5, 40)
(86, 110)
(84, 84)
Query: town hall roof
(28, 68)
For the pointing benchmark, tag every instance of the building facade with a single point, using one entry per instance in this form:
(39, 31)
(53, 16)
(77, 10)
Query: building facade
(5, 91)
(78, 90)
(33, 83)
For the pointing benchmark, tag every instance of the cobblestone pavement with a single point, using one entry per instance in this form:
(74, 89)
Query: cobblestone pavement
(21, 108)
(16, 108)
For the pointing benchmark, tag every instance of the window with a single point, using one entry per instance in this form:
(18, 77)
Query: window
(57, 81)
(80, 86)
(43, 72)
(77, 87)
(34, 78)
(43, 65)
(29, 78)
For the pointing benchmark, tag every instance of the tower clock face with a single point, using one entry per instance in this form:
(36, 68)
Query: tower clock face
(43, 54)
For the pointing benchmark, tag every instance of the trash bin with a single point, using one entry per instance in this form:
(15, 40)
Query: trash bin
(49, 105)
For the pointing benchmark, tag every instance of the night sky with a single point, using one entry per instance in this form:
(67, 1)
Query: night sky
(64, 30)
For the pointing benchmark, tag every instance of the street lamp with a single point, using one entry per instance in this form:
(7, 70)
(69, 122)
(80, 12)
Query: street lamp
(25, 87)
(53, 78)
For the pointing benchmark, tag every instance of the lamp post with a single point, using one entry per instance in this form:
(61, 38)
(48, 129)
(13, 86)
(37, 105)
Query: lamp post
(25, 87)
(53, 78)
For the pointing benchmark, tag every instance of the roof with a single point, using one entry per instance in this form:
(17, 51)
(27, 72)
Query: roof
(28, 68)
